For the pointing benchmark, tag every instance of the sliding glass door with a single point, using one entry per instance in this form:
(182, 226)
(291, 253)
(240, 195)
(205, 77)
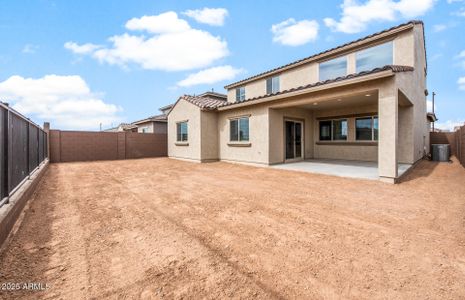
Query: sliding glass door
(293, 139)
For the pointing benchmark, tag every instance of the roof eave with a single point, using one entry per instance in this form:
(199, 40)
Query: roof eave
(369, 77)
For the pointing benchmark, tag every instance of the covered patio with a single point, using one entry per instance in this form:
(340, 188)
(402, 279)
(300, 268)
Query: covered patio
(363, 131)
(337, 167)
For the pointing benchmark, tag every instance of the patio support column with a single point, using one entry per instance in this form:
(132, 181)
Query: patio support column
(388, 114)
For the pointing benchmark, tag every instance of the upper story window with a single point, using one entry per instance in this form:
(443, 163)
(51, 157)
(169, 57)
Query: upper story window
(239, 129)
(272, 85)
(374, 57)
(181, 131)
(333, 68)
(240, 94)
(366, 129)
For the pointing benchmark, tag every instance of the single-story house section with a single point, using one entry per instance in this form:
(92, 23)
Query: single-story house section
(154, 124)
(362, 101)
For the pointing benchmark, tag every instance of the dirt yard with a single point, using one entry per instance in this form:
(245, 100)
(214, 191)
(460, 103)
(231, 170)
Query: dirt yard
(160, 228)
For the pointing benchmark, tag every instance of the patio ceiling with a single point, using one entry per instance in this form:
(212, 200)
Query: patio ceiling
(360, 99)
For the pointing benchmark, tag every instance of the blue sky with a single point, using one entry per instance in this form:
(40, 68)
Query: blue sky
(82, 63)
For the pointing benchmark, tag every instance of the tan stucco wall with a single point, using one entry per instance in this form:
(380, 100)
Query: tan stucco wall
(388, 108)
(404, 50)
(209, 134)
(299, 76)
(351, 63)
(413, 85)
(277, 139)
(258, 135)
(185, 111)
(405, 144)
(231, 93)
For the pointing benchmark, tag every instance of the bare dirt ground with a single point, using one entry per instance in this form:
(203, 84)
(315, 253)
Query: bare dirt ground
(160, 228)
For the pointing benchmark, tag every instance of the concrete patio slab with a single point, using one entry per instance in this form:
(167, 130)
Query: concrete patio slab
(337, 167)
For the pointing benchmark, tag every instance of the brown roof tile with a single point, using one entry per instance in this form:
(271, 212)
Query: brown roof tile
(205, 103)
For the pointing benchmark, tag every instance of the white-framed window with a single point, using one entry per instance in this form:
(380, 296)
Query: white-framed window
(333, 68)
(333, 130)
(239, 129)
(240, 93)
(366, 128)
(374, 57)
(181, 131)
(272, 85)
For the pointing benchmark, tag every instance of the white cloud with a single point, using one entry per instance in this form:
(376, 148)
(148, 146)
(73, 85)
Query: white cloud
(210, 76)
(461, 54)
(210, 16)
(163, 23)
(356, 17)
(439, 27)
(81, 49)
(461, 83)
(449, 125)
(30, 49)
(293, 33)
(172, 45)
(66, 101)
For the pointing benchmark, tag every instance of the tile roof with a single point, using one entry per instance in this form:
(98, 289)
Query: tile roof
(205, 103)
(214, 95)
(393, 68)
(126, 126)
(321, 53)
(157, 118)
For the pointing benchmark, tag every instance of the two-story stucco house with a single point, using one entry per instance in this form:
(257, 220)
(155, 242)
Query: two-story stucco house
(364, 101)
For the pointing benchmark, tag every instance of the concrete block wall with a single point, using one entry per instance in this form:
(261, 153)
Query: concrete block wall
(68, 146)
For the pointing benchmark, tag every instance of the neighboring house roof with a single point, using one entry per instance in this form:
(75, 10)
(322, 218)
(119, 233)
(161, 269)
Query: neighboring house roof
(431, 117)
(124, 126)
(315, 56)
(393, 68)
(214, 95)
(157, 118)
(165, 109)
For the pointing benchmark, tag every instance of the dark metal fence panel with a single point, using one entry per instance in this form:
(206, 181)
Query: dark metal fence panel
(23, 147)
(19, 151)
(45, 145)
(41, 146)
(3, 148)
(33, 147)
